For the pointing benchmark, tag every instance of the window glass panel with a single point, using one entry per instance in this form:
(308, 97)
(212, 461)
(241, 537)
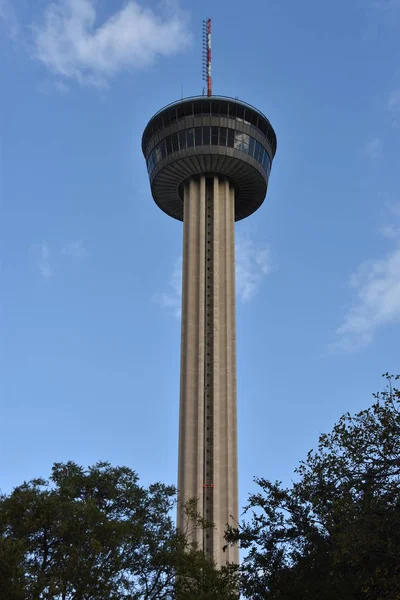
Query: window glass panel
(197, 136)
(238, 139)
(215, 108)
(222, 136)
(245, 117)
(231, 137)
(261, 157)
(166, 119)
(168, 144)
(252, 117)
(157, 124)
(264, 159)
(251, 146)
(161, 147)
(214, 136)
(240, 112)
(182, 139)
(242, 141)
(205, 108)
(232, 111)
(187, 109)
(269, 133)
(157, 154)
(190, 137)
(262, 126)
(197, 108)
(258, 153)
(206, 136)
(223, 109)
(256, 149)
(174, 142)
(171, 115)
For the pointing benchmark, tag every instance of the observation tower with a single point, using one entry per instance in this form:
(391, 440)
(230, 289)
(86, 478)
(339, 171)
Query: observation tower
(209, 159)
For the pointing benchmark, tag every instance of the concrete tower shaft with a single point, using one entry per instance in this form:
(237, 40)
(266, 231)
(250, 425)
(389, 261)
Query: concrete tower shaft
(208, 428)
(209, 161)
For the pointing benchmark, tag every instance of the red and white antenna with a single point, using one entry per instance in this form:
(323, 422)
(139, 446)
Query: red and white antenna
(207, 55)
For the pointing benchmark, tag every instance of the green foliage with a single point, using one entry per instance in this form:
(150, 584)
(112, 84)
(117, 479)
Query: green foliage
(97, 534)
(334, 533)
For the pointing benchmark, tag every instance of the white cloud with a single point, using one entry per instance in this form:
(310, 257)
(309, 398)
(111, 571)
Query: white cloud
(373, 148)
(377, 285)
(8, 16)
(391, 232)
(61, 87)
(382, 15)
(75, 249)
(394, 208)
(394, 100)
(71, 43)
(253, 264)
(44, 261)
(45, 258)
(50, 86)
(386, 11)
(171, 299)
(386, 5)
(393, 106)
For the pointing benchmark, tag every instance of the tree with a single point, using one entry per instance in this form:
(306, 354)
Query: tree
(96, 534)
(335, 532)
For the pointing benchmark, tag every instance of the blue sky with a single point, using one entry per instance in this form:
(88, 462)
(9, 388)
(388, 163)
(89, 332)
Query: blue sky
(89, 348)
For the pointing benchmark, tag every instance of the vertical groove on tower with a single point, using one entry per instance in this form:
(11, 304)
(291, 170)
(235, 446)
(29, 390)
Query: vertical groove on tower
(217, 366)
(208, 485)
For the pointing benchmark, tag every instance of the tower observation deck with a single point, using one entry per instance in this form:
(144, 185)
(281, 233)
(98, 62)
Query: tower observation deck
(209, 159)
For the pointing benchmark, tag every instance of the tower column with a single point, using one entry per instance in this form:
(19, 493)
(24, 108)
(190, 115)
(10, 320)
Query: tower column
(208, 423)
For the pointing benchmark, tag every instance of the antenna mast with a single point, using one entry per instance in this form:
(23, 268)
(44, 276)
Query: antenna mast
(207, 55)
